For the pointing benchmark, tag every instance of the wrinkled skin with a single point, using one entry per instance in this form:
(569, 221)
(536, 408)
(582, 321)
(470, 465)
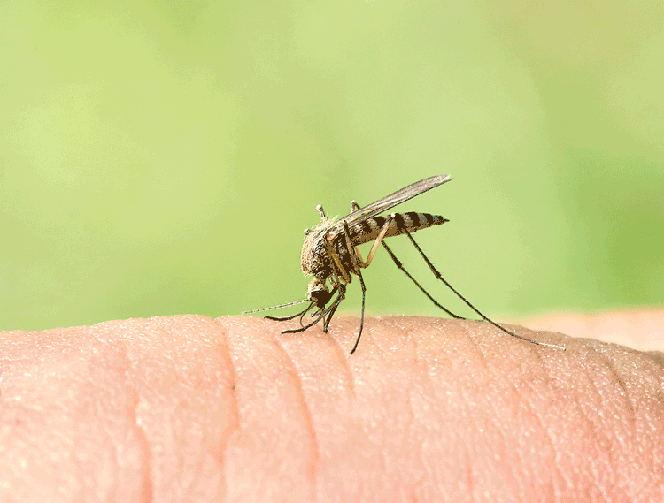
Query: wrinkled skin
(189, 408)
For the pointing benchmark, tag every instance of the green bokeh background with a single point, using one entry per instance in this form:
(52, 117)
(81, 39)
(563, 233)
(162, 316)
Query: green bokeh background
(164, 157)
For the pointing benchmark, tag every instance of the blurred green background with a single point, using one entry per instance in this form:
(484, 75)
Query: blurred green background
(164, 157)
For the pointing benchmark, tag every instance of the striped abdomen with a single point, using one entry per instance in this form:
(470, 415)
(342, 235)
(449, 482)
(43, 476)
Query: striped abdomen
(369, 229)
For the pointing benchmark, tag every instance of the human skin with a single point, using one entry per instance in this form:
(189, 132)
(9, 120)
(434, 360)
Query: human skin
(188, 408)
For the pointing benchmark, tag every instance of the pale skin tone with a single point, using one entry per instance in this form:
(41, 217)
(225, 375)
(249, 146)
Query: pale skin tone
(189, 408)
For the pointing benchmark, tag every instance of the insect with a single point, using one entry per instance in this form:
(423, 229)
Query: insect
(330, 254)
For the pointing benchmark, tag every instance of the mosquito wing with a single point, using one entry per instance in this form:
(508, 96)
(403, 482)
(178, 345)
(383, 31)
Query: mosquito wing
(398, 197)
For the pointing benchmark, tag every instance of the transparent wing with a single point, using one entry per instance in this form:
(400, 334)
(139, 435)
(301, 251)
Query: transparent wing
(398, 197)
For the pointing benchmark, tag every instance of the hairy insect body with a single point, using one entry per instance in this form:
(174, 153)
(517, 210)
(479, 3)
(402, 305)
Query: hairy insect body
(325, 254)
(315, 260)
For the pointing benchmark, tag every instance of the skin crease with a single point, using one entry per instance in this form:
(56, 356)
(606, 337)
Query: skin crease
(189, 408)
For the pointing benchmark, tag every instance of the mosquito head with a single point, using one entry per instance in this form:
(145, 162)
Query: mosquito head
(318, 293)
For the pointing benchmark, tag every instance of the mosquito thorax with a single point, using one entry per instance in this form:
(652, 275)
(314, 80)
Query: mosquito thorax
(313, 259)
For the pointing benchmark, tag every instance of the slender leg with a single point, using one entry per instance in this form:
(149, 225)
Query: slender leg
(331, 252)
(485, 318)
(353, 251)
(319, 310)
(400, 266)
(333, 308)
(328, 318)
(301, 318)
(322, 315)
(357, 264)
(364, 293)
(285, 318)
(379, 239)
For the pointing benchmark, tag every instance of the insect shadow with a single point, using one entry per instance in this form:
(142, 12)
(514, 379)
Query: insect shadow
(330, 254)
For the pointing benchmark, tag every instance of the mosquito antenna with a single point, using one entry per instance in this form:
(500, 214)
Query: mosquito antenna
(485, 318)
(275, 307)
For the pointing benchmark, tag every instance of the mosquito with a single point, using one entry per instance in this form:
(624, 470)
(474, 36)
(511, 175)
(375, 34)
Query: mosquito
(330, 254)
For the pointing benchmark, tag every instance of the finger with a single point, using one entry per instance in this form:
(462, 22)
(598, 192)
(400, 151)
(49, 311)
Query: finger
(427, 408)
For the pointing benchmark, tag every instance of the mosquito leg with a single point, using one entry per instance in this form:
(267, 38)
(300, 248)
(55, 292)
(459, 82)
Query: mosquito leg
(303, 327)
(286, 318)
(302, 316)
(334, 306)
(328, 318)
(354, 206)
(339, 271)
(357, 261)
(400, 266)
(326, 311)
(379, 239)
(364, 293)
(485, 318)
(353, 251)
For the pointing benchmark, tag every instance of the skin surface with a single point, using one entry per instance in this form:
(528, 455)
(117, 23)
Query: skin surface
(189, 408)
(642, 330)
